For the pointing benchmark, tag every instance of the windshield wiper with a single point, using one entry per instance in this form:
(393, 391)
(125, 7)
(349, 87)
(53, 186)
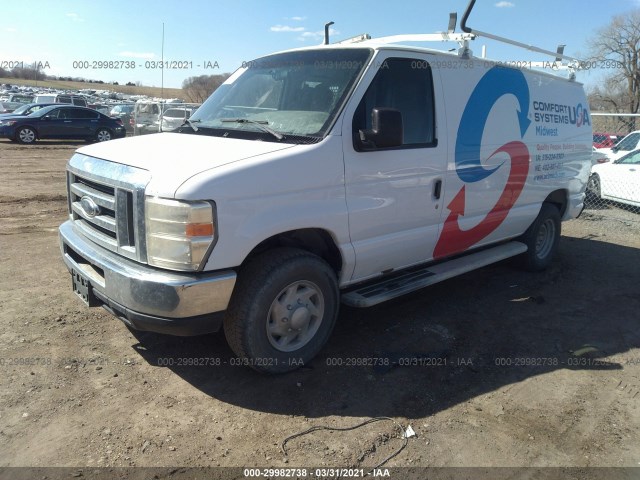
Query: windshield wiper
(260, 124)
(191, 123)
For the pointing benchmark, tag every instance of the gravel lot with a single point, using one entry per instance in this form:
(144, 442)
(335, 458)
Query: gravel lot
(505, 368)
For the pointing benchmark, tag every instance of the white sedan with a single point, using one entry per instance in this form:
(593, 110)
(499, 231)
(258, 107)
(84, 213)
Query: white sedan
(618, 180)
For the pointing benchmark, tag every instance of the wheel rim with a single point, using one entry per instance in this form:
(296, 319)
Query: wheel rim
(594, 186)
(103, 136)
(26, 135)
(295, 316)
(545, 238)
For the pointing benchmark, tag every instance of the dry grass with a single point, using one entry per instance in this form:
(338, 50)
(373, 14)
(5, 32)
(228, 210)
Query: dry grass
(150, 91)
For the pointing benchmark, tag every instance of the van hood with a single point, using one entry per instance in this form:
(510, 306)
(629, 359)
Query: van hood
(173, 158)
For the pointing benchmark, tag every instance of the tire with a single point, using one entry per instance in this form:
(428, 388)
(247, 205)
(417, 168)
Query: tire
(272, 298)
(26, 135)
(103, 135)
(542, 239)
(593, 187)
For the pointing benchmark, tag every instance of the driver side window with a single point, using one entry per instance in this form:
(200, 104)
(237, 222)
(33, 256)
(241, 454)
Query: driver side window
(404, 84)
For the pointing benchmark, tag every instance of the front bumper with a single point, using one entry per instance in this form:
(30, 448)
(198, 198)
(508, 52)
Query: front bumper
(7, 132)
(147, 298)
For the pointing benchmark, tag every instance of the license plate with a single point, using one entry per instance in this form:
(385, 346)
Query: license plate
(82, 288)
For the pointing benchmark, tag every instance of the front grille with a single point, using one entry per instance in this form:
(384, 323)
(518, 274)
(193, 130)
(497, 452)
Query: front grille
(106, 203)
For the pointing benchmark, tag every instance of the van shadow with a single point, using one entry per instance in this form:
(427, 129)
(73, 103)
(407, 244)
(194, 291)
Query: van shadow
(444, 345)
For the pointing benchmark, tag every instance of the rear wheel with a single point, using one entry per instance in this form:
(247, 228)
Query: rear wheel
(283, 310)
(542, 239)
(103, 135)
(26, 135)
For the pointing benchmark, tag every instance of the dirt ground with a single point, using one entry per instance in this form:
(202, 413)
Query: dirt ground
(495, 368)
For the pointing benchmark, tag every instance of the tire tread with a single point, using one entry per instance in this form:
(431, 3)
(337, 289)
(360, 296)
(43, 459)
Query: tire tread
(528, 260)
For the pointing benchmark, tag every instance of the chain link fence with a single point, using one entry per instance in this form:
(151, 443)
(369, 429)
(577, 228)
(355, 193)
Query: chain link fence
(613, 189)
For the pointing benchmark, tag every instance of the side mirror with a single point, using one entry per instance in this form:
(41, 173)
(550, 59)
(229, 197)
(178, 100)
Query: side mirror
(614, 149)
(386, 131)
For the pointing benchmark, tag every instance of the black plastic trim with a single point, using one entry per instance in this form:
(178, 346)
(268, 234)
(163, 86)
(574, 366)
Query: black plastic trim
(180, 327)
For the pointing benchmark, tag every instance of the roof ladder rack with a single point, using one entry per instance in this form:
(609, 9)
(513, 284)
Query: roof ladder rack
(560, 62)
(572, 64)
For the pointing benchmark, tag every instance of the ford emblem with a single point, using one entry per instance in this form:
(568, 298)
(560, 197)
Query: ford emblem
(89, 206)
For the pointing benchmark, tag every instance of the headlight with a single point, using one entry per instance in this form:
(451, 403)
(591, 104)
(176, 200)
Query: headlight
(7, 123)
(179, 233)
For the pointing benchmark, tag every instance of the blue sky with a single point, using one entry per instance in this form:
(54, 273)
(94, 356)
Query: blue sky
(198, 31)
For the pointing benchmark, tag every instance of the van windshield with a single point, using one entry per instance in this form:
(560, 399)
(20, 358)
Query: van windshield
(296, 93)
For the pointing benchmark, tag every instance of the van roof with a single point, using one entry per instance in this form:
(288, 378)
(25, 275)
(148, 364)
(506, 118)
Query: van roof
(380, 45)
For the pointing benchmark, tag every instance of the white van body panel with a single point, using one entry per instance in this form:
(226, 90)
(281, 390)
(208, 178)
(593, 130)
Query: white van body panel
(514, 107)
(277, 192)
(174, 158)
(390, 193)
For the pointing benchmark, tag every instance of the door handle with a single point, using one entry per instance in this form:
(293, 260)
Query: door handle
(67, 121)
(437, 189)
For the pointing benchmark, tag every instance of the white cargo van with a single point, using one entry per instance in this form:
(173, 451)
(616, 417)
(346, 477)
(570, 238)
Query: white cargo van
(353, 172)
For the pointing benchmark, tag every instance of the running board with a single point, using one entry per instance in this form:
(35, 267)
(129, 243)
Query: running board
(408, 282)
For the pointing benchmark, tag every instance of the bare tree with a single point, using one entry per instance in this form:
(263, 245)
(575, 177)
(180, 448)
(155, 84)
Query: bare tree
(618, 46)
(198, 89)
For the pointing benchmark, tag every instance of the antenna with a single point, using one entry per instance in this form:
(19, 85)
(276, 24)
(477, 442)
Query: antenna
(326, 32)
(162, 69)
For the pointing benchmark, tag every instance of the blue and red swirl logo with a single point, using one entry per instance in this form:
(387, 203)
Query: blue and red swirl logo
(496, 83)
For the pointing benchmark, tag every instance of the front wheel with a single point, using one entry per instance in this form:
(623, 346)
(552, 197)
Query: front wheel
(542, 239)
(26, 135)
(103, 135)
(283, 310)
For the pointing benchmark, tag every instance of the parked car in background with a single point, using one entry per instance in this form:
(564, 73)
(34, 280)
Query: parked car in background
(604, 140)
(9, 102)
(618, 180)
(627, 144)
(173, 118)
(598, 157)
(24, 110)
(68, 99)
(61, 122)
(147, 114)
(105, 109)
(146, 118)
(124, 113)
